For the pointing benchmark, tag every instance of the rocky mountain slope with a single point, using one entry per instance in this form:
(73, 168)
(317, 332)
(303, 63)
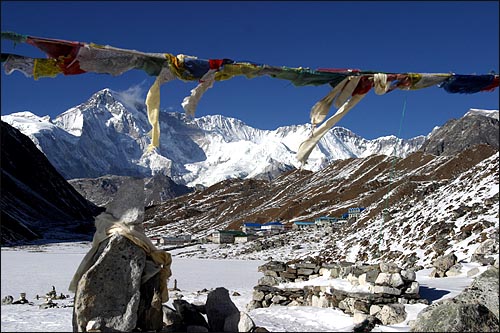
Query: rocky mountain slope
(458, 134)
(433, 203)
(202, 150)
(36, 201)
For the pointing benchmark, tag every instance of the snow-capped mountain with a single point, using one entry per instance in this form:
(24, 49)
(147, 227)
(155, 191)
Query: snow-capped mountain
(108, 135)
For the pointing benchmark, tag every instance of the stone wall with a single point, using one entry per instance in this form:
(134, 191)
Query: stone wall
(387, 287)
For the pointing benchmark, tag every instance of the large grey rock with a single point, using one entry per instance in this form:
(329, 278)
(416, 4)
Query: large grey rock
(366, 325)
(220, 307)
(391, 314)
(488, 247)
(268, 280)
(276, 266)
(172, 320)
(108, 294)
(473, 310)
(445, 262)
(389, 267)
(484, 289)
(451, 315)
(189, 314)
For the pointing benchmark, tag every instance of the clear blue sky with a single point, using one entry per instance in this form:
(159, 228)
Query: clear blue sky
(459, 37)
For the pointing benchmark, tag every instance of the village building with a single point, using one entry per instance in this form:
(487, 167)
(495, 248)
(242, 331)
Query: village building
(354, 212)
(174, 240)
(170, 240)
(244, 239)
(251, 228)
(273, 227)
(226, 236)
(303, 224)
(325, 221)
(155, 240)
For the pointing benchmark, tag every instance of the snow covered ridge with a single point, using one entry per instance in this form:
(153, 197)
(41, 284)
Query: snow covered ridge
(487, 113)
(108, 135)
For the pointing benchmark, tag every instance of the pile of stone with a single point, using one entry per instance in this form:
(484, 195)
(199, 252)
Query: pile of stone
(386, 289)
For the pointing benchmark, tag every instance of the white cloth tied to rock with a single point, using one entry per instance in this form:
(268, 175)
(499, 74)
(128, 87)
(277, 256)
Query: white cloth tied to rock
(106, 226)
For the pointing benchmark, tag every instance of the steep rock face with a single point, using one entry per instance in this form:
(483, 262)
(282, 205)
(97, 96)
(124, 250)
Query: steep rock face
(36, 200)
(202, 150)
(459, 134)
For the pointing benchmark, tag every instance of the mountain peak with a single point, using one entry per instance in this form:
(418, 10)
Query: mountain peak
(104, 96)
(487, 113)
(108, 134)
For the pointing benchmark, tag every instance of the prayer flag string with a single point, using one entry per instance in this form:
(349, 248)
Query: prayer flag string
(349, 86)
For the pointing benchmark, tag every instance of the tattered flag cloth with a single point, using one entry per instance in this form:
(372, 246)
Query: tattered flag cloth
(349, 86)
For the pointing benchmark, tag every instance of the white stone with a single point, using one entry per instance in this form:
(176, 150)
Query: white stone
(386, 290)
(276, 299)
(408, 274)
(450, 273)
(93, 326)
(413, 288)
(326, 272)
(359, 317)
(246, 323)
(353, 279)
(374, 309)
(396, 280)
(392, 314)
(383, 279)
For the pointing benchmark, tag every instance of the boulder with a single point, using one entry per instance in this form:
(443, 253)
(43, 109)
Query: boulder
(366, 325)
(118, 267)
(451, 315)
(444, 263)
(484, 289)
(389, 267)
(391, 314)
(488, 247)
(172, 320)
(473, 271)
(150, 312)
(408, 275)
(220, 308)
(454, 270)
(120, 284)
(473, 310)
(190, 315)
